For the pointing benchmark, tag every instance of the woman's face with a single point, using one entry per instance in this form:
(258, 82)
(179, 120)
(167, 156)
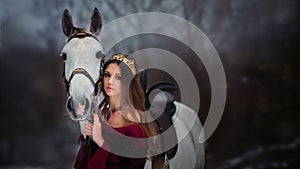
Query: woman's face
(112, 80)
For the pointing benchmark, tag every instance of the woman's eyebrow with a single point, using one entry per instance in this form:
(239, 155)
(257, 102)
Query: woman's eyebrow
(118, 74)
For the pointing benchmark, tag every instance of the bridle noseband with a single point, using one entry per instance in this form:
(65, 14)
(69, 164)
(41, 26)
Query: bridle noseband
(97, 85)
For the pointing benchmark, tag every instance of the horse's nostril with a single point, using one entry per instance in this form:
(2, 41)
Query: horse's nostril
(87, 104)
(88, 109)
(71, 107)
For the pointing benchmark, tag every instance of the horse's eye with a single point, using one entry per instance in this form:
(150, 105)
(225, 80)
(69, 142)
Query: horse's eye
(64, 56)
(100, 55)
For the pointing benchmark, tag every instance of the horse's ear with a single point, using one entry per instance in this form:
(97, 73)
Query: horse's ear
(67, 23)
(96, 22)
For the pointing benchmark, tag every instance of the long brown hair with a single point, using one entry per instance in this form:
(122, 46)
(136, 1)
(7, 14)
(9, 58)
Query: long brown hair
(132, 96)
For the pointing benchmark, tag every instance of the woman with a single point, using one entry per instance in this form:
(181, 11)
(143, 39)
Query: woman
(122, 111)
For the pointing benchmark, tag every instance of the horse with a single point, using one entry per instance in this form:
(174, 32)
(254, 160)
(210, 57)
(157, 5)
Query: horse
(83, 60)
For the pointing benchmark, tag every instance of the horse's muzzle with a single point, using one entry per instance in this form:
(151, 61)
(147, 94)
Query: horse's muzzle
(72, 106)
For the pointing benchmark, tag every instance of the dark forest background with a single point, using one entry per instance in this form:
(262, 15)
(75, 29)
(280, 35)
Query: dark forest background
(258, 42)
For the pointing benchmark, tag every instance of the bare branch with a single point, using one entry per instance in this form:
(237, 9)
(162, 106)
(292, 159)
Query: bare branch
(113, 8)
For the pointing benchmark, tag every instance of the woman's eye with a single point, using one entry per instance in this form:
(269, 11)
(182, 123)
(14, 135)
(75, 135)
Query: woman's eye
(106, 75)
(118, 77)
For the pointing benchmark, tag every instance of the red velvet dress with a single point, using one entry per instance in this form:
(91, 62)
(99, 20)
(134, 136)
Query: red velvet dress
(91, 156)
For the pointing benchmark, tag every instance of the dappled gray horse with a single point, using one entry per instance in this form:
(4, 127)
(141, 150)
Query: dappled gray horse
(83, 59)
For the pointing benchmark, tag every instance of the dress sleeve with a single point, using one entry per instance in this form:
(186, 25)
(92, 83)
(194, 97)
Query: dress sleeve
(99, 159)
(85, 153)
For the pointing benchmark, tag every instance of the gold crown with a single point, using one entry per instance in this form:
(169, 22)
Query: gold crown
(129, 62)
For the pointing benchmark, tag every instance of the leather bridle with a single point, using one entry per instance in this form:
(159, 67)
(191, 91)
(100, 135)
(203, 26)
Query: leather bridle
(97, 85)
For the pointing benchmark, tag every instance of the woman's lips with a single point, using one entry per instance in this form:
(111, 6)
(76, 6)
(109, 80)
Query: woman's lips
(109, 88)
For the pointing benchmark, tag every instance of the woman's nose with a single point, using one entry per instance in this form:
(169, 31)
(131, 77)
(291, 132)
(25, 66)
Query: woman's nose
(110, 80)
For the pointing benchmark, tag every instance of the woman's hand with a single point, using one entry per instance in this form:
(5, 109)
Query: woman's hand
(87, 129)
(97, 131)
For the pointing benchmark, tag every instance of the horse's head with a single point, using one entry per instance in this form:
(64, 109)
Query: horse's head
(83, 59)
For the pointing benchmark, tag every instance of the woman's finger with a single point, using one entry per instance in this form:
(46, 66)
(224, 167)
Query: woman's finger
(96, 117)
(87, 128)
(88, 124)
(87, 132)
(97, 131)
